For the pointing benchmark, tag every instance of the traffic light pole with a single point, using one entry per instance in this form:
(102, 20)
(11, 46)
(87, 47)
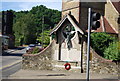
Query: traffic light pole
(88, 44)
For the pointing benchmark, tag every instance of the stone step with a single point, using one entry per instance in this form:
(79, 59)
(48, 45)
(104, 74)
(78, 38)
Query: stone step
(72, 63)
(64, 67)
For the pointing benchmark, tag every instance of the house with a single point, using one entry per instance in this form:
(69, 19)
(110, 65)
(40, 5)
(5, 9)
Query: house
(7, 31)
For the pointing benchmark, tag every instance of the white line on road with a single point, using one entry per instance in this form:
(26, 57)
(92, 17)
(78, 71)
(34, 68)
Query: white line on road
(10, 64)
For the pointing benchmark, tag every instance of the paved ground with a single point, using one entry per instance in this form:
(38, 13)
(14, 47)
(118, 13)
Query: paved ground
(11, 61)
(41, 74)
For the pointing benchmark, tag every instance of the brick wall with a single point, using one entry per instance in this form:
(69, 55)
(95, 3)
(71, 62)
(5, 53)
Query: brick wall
(73, 7)
(112, 15)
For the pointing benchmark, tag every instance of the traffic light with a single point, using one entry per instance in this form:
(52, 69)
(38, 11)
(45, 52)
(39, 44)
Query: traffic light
(95, 23)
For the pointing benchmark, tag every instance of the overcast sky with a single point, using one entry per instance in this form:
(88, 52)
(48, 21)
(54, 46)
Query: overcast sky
(27, 5)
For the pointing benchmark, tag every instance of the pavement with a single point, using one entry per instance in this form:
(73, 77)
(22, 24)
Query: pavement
(45, 74)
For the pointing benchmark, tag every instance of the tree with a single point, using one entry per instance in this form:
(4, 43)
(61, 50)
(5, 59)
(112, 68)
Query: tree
(101, 41)
(25, 30)
(51, 17)
(44, 38)
(28, 25)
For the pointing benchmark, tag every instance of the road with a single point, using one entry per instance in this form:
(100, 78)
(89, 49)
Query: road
(11, 62)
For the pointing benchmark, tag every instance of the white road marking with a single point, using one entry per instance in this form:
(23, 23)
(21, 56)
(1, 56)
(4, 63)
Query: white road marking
(10, 64)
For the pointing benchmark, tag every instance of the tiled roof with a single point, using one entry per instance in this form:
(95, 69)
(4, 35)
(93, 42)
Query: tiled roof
(108, 27)
(71, 20)
(117, 5)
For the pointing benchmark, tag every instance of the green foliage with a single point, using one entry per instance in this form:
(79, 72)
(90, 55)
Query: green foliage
(35, 50)
(28, 25)
(24, 29)
(113, 51)
(45, 18)
(44, 38)
(101, 41)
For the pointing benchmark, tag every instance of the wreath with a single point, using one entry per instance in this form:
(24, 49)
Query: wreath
(67, 66)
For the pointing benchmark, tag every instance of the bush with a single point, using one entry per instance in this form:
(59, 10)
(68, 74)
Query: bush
(101, 41)
(17, 43)
(113, 51)
(35, 50)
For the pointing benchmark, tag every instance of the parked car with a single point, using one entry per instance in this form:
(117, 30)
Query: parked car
(39, 46)
(30, 47)
(33, 47)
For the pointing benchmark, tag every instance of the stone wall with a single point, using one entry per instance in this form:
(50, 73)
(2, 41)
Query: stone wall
(97, 65)
(42, 60)
(101, 65)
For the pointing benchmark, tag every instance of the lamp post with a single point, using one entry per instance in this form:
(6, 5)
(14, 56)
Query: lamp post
(42, 32)
(88, 44)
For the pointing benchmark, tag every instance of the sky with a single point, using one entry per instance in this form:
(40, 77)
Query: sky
(27, 5)
(18, 5)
